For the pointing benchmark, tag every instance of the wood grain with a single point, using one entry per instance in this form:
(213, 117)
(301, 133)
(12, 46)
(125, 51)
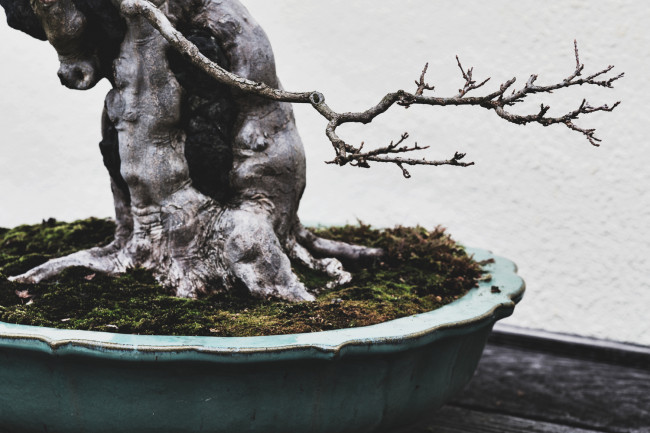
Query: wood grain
(458, 420)
(542, 383)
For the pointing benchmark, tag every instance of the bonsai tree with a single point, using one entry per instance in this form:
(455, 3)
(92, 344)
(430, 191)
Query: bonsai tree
(199, 139)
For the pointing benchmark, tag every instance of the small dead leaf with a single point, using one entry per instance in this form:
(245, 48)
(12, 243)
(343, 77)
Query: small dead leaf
(90, 277)
(24, 294)
(486, 277)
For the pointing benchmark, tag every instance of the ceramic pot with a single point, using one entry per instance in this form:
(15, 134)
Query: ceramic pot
(369, 379)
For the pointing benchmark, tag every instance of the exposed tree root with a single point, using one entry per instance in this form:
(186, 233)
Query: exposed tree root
(347, 253)
(330, 266)
(100, 259)
(229, 248)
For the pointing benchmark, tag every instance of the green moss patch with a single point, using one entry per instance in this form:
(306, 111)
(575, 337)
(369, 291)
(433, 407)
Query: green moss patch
(421, 271)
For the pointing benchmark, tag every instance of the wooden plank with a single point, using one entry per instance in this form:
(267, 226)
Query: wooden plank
(573, 346)
(458, 420)
(586, 394)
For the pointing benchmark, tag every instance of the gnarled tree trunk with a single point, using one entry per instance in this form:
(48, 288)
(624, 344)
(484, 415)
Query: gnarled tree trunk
(206, 181)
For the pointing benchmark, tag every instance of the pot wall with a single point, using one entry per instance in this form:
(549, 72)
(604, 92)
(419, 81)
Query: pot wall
(351, 393)
(367, 379)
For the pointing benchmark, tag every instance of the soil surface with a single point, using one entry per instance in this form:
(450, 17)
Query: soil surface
(421, 271)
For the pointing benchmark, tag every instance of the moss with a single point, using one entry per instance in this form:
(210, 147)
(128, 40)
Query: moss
(422, 270)
(27, 246)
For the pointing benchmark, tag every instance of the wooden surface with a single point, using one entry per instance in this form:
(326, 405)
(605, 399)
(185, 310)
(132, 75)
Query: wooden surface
(529, 381)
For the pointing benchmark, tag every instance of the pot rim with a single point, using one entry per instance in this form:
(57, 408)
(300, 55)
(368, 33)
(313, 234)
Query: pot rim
(480, 307)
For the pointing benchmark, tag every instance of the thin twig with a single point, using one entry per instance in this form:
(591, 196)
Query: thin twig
(422, 86)
(470, 84)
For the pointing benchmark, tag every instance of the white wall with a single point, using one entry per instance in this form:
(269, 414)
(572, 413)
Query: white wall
(575, 218)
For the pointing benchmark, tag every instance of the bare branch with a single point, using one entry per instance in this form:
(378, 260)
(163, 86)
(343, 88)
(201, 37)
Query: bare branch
(348, 154)
(176, 39)
(385, 154)
(422, 85)
(455, 161)
(470, 84)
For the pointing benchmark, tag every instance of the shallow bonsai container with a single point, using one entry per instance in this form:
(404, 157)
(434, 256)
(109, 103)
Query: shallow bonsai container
(369, 379)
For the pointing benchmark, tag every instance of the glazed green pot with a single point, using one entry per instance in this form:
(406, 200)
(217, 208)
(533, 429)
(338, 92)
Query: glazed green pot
(369, 379)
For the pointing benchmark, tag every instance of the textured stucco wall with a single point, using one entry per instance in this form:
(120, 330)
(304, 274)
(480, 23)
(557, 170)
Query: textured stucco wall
(575, 218)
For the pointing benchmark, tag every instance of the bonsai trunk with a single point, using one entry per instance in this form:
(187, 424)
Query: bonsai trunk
(197, 236)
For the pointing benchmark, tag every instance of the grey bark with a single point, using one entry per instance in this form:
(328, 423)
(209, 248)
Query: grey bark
(191, 242)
